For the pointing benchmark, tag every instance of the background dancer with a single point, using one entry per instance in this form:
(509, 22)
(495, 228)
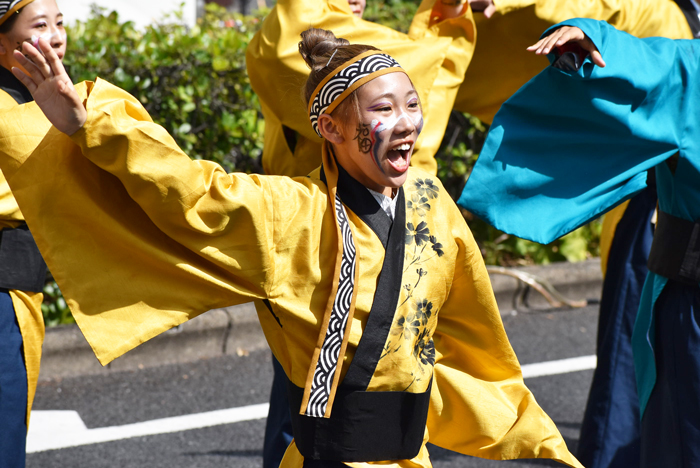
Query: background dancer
(614, 123)
(22, 270)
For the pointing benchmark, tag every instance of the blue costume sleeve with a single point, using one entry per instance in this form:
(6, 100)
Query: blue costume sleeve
(569, 146)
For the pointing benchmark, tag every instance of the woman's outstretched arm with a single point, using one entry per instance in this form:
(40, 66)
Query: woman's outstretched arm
(50, 86)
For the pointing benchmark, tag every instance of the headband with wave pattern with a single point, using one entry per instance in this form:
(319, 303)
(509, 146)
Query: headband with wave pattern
(8, 7)
(347, 78)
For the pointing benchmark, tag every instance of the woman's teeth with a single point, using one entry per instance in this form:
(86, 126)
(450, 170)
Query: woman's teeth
(404, 147)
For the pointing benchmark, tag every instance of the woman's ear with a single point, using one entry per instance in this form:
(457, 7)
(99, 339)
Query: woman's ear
(330, 129)
(3, 49)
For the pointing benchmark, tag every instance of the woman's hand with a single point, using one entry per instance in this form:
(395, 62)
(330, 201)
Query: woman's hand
(565, 35)
(483, 6)
(447, 9)
(51, 86)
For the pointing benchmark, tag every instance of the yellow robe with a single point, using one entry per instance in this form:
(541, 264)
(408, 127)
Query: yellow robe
(27, 304)
(140, 238)
(435, 56)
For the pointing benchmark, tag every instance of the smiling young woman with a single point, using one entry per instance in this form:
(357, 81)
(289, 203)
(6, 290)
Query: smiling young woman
(369, 286)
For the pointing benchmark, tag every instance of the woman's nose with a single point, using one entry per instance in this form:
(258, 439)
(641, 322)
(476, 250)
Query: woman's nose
(58, 37)
(405, 124)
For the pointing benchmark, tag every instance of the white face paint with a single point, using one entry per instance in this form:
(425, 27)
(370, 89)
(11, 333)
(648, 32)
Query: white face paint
(378, 126)
(48, 37)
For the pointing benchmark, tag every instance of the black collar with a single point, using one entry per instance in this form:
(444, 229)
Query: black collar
(355, 196)
(14, 87)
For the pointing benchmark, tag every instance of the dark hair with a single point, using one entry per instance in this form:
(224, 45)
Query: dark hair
(9, 23)
(323, 53)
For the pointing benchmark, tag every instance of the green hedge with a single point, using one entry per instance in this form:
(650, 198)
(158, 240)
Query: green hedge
(191, 81)
(194, 83)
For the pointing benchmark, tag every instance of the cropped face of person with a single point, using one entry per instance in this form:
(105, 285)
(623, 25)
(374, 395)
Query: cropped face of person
(377, 148)
(41, 18)
(357, 7)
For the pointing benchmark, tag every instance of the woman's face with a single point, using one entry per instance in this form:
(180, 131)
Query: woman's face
(377, 149)
(41, 18)
(357, 7)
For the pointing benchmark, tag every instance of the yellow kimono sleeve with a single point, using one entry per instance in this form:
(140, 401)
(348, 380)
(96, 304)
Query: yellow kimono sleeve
(139, 237)
(10, 215)
(501, 65)
(434, 56)
(480, 405)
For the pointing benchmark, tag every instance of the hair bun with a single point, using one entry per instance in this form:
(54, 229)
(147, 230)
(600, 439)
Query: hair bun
(317, 47)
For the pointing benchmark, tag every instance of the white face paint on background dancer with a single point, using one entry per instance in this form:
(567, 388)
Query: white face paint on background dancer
(48, 38)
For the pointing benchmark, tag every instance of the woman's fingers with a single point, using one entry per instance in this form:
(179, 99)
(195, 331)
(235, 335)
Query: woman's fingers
(558, 38)
(25, 79)
(597, 58)
(30, 67)
(564, 35)
(536, 45)
(37, 58)
(54, 63)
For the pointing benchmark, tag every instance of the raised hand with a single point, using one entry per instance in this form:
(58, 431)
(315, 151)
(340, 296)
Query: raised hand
(50, 86)
(564, 35)
(447, 9)
(483, 6)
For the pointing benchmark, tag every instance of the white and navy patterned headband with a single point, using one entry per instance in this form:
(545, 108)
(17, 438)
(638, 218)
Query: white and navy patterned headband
(8, 7)
(347, 78)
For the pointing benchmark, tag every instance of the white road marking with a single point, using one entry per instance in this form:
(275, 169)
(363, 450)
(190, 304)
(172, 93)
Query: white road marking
(54, 433)
(562, 366)
(52, 430)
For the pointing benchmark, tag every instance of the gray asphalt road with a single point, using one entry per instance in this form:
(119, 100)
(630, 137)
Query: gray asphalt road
(234, 381)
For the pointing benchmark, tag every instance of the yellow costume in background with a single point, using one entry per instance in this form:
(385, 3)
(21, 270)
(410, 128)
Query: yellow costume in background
(27, 304)
(140, 238)
(435, 56)
(500, 64)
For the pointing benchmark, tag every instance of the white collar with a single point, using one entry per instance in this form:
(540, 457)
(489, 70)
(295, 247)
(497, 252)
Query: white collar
(388, 204)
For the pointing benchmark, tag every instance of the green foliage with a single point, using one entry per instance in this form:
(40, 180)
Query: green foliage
(54, 308)
(192, 81)
(396, 14)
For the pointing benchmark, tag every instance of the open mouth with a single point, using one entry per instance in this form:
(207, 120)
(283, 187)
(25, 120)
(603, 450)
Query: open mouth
(400, 156)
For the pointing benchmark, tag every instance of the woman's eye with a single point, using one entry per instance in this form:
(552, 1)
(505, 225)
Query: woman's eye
(40, 26)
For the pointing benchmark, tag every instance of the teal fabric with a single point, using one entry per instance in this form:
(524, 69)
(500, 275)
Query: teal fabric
(567, 147)
(643, 339)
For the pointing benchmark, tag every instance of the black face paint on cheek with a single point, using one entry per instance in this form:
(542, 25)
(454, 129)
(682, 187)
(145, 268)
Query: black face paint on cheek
(364, 143)
(19, 44)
